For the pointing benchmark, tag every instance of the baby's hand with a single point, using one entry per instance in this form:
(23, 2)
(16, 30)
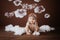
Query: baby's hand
(28, 33)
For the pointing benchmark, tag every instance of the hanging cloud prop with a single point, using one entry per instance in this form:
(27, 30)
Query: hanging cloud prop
(28, 6)
(37, 0)
(39, 9)
(20, 13)
(24, 6)
(46, 15)
(9, 14)
(17, 2)
(10, 0)
(31, 6)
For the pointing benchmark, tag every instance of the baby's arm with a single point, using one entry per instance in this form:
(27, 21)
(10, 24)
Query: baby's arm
(28, 32)
(37, 27)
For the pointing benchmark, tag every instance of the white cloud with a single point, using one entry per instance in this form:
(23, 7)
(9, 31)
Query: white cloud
(9, 14)
(31, 6)
(37, 0)
(45, 28)
(20, 13)
(39, 10)
(10, 0)
(24, 6)
(46, 15)
(19, 30)
(28, 6)
(16, 29)
(17, 2)
(9, 27)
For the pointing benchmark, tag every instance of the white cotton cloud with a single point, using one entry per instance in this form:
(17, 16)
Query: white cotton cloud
(16, 29)
(20, 13)
(31, 6)
(9, 27)
(19, 30)
(46, 15)
(36, 33)
(37, 0)
(28, 6)
(46, 28)
(17, 2)
(24, 6)
(9, 14)
(39, 9)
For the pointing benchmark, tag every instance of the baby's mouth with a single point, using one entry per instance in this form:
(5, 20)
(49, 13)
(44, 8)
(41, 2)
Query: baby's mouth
(32, 22)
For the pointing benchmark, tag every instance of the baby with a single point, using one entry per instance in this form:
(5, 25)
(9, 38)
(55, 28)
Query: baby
(31, 25)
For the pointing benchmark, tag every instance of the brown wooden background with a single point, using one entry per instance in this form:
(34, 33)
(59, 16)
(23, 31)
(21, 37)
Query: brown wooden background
(6, 6)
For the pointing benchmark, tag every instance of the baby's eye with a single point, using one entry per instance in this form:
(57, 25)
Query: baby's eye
(33, 18)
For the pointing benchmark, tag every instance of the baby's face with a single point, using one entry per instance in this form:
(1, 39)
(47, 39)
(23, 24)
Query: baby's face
(32, 20)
